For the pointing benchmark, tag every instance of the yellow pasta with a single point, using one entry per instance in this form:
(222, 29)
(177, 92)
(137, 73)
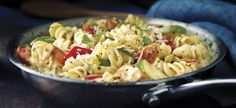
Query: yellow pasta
(46, 57)
(175, 68)
(131, 19)
(113, 50)
(183, 39)
(191, 51)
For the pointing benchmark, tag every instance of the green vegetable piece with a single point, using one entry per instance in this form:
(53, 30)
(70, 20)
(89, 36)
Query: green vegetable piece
(86, 39)
(93, 24)
(125, 51)
(140, 65)
(104, 62)
(150, 70)
(174, 28)
(146, 41)
(47, 39)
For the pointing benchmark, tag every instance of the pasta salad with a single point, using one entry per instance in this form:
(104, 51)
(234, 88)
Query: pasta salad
(115, 50)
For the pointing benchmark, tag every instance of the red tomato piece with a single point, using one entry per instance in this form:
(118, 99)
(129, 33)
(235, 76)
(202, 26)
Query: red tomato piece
(23, 55)
(169, 42)
(90, 30)
(74, 52)
(150, 52)
(92, 77)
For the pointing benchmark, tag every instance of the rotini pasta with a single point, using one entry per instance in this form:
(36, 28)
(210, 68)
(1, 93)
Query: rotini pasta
(175, 68)
(109, 52)
(113, 50)
(183, 39)
(46, 57)
(195, 51)
(64, 36)
(131, 19)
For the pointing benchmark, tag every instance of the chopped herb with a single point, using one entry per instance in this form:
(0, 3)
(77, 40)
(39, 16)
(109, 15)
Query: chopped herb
(106, 37)
(125, 51)
(86, 39)
(47, 39)
(93, 24)
(146, 41)
(104, 62)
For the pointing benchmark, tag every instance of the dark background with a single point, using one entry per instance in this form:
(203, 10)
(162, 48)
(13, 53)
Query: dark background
(15, 93)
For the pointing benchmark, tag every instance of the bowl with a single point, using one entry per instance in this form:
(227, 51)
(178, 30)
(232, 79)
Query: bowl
(78, 93)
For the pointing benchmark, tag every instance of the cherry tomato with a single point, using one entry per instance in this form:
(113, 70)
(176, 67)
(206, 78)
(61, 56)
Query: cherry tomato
(74, 52)
(90, 30)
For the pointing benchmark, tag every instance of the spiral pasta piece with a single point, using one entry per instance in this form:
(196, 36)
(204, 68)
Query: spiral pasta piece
(128, 35)
(110, 52)
(59, 31)
(164, 50)
(64, 36)
(131, 19)
(63, 44)
(176, 68)
(183, 39)
(46, 57)
(198, 51)
(73, 69)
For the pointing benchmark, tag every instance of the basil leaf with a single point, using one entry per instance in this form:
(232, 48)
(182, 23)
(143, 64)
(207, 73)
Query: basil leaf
(174, 28)
(146, 41)
(125, 51)
(47, 39)
(104, 62)
(86, 39)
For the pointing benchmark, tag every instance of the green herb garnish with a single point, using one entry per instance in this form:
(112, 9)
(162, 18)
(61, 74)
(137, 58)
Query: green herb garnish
(86, 39)
(104, 62)
(146, 41)
(106, 37)
(93, 24)
(125, 51)
(47, 39)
